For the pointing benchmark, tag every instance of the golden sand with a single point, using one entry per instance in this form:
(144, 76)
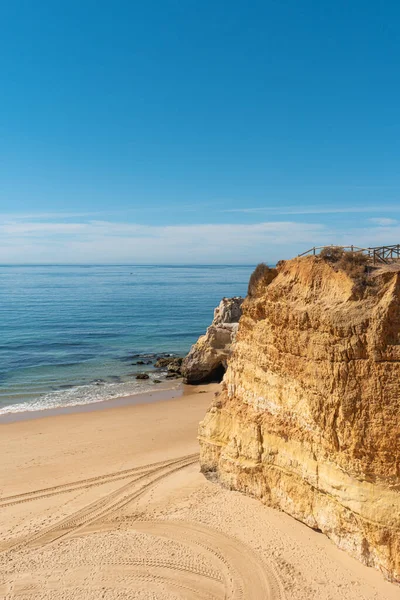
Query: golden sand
(111, 504)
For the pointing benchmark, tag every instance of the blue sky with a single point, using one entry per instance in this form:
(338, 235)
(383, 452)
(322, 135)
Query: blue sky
(204, 132)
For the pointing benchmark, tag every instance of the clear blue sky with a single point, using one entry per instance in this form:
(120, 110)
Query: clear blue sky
(197, 131)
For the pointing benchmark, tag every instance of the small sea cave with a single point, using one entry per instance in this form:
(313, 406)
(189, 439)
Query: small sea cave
(217, 374)
(214, 376)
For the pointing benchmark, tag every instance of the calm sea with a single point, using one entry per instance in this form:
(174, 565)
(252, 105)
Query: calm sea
(70, 334)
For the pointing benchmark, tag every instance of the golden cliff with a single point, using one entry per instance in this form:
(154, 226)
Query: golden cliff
(308, 419)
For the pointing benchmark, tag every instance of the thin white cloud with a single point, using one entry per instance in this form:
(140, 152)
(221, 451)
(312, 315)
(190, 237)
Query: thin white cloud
(383, 221)
(12, 228)
(4, 217)
(56, 216)
(109, 228)
(99, 241)
(313, 210)
(105, 241)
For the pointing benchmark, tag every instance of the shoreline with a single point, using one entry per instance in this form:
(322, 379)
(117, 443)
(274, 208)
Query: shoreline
(162, 393)
(100, 498)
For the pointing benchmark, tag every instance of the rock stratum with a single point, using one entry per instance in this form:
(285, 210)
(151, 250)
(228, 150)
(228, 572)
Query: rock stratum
(308, 419)
(207, 359)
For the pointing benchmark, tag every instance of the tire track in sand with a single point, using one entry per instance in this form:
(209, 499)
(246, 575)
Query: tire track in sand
(236, 571)
(247, 577)
(103, 506)
(80, 484)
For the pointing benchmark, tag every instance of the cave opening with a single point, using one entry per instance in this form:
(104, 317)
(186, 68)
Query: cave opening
(217, 374)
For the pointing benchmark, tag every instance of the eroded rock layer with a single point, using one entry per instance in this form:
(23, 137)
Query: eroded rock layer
(308, 419)
(207, 359)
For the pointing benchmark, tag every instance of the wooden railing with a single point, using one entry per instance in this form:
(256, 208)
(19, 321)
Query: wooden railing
(377, 255)
(384, 254)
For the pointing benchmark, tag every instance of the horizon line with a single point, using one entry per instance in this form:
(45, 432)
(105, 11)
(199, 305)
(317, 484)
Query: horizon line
(127, 264)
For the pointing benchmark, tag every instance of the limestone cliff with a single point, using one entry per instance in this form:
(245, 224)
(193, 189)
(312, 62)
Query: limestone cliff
(308, 419)
(207, 358)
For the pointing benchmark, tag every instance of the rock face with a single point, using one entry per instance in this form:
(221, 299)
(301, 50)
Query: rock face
(173, 365)
(308, 419)
(207, 358)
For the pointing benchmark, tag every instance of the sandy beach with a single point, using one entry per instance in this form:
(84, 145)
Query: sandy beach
(110, 504)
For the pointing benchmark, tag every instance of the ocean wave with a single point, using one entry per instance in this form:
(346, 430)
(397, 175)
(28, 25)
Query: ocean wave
(85, 394)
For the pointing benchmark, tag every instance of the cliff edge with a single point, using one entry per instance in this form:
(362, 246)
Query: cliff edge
(308, 419)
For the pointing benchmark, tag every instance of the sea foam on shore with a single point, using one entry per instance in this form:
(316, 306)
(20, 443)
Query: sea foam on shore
(87, 394)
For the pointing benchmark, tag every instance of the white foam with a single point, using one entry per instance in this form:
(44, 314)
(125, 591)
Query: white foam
(81, 395)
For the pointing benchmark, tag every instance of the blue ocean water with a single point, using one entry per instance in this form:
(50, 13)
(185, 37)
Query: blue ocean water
(69, 334)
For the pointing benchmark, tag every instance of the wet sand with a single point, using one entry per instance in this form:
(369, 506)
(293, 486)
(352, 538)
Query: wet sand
(108, 502)
(166, 391)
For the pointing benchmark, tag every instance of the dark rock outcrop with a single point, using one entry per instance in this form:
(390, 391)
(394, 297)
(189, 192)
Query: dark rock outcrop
(173, 365)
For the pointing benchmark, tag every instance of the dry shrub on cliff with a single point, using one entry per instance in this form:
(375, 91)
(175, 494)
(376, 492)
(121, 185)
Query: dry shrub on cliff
(332, 253)
(355, 264)
(262, 275)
